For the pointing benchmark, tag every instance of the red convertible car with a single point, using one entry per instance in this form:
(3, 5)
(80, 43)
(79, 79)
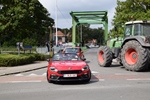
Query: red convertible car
(67, 67)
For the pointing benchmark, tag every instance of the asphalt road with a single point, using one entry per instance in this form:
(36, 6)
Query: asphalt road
(111, 83)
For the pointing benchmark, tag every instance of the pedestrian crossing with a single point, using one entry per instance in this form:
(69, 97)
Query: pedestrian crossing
(32, 74)
(96, 77)
(43, 74)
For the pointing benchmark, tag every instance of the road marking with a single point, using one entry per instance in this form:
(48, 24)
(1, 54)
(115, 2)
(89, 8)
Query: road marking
(19, 75)
(25, 81)
(139, 79)
(44, 74)
(94, 72)
(95, 80)
(126, 74)
(32, 74)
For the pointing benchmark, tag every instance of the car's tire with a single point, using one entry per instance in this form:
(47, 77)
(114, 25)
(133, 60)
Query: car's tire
(104, 56)
(134, 57)
(48, 80)
(86, 81)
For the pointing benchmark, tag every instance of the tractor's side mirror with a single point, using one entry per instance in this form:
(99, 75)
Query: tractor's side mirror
(84, 59)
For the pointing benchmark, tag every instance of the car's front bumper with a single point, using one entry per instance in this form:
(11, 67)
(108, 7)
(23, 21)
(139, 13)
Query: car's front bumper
(83, 77)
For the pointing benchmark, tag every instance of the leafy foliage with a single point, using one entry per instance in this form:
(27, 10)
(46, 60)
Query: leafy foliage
(89, 34)
(130, 10)
(24, 20)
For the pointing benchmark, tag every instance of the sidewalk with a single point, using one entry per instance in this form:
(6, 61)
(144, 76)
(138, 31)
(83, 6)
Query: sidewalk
(23, 68)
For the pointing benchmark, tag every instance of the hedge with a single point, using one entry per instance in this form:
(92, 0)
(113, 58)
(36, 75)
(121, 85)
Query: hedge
(15, 60)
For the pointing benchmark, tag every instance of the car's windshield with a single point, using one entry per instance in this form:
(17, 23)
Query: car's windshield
(65, 57)
(71, 50)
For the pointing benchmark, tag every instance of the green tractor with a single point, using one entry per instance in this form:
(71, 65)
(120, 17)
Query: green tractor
(132, 51)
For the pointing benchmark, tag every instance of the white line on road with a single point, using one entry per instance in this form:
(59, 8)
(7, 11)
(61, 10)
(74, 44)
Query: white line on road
(19, 75)
(126, 74)
(24, 81)
(32, 74)
(94, 80)
(44, 74)
(139, 79)
(94, 72)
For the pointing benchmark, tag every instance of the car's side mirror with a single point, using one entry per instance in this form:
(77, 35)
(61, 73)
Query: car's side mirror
(83, 59)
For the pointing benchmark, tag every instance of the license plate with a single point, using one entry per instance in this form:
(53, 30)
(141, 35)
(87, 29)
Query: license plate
(70, 75)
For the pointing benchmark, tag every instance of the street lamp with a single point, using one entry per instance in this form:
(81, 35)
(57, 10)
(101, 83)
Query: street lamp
(56, 21)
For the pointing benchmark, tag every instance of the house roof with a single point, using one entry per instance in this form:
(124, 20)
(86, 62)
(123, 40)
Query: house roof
(59, 33)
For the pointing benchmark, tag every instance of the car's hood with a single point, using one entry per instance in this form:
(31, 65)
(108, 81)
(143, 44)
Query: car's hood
(72, 65)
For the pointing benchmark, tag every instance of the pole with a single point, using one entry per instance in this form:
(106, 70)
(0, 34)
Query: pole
(81, 34)
(56, 22)
(0, 47)
(50, 40)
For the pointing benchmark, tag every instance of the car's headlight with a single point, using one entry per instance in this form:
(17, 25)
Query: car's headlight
(53, 69)
(85, 68)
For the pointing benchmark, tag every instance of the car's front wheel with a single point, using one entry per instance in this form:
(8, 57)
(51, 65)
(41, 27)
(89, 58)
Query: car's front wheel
(88, 78)
(48, 79)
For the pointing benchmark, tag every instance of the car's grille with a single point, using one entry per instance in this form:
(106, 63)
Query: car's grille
(70, 72)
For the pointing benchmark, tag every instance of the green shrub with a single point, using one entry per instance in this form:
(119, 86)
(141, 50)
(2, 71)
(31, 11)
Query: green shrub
(15, 60)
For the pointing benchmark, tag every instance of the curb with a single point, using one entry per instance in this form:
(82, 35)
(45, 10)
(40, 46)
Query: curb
(17, 72)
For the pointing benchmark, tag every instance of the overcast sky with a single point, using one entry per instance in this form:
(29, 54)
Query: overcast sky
(64, 8)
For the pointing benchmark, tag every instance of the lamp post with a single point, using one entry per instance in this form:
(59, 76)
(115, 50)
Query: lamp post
(1, 6)
(56, 21)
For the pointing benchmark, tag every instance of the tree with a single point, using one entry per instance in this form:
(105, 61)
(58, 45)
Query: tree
(24, 19)
(89, 34)
(130, 10)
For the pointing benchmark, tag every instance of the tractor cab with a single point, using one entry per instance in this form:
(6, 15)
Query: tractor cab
(137, 28)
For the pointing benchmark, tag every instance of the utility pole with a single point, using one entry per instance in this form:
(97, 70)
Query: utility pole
(81, 33)
(56, 22)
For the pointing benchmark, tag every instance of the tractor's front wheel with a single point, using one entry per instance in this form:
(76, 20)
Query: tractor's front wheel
(104, 56)
(134, 57)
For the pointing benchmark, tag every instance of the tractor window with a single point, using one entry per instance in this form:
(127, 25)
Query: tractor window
(146, 29)
(137, 29)
(128, 30)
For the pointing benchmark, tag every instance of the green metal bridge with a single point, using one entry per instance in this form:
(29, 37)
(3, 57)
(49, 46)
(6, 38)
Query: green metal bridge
(89, 17)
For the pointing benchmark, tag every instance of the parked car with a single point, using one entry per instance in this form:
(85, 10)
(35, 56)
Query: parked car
(90, 45)
(76, 50)
(68, 67)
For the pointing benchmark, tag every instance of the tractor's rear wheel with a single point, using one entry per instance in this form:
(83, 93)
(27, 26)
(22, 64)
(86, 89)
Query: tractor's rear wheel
(104, 56)
(134, 57)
